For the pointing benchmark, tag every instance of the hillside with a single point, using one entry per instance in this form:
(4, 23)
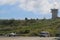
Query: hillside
(30, 27)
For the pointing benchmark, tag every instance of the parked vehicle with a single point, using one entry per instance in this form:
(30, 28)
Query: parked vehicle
(11, 34)
(44, 34)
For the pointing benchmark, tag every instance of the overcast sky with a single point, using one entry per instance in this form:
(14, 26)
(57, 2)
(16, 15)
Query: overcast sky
(19, 9)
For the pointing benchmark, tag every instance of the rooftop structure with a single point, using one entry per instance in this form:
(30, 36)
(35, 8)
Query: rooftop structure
(54, 13)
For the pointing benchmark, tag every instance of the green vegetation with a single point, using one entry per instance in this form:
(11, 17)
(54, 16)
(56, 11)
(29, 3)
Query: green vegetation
(30, 27)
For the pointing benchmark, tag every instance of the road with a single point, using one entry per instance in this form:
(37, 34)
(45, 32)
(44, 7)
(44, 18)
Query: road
(27, 38)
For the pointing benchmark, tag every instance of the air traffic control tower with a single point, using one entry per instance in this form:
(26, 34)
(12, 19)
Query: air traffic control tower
(54, 13)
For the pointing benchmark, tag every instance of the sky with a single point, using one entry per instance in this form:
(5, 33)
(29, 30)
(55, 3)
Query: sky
(19, 9)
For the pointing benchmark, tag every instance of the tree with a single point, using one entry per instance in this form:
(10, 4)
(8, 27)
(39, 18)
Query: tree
(26, 19)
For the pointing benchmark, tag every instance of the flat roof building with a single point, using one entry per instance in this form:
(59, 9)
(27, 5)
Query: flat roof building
(54, 13)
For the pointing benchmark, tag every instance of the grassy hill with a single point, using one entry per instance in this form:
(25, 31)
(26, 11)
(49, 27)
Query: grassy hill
(30, 27)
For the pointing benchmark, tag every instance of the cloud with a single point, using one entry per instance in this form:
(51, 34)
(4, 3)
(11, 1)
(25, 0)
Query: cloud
(38, 6)
(11, 2)
(43, 6)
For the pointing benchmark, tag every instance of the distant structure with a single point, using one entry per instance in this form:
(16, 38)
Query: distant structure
(54, 13)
